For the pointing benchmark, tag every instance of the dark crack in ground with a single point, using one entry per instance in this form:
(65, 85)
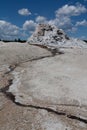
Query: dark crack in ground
(11, 97)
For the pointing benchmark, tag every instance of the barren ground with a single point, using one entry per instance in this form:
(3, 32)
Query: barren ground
(40, 91)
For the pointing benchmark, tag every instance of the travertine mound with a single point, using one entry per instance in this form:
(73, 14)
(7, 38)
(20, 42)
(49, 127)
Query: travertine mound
(46, 34)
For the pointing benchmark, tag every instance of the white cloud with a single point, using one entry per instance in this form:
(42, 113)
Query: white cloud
(63, 19)
(81, 23)
(8, 30)
(24, 12)
(63, 16)
(71, 10)
(41, 19)
(29, 25)
(62, 22)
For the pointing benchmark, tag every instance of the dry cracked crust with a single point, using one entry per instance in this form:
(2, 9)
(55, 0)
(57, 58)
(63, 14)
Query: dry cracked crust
(16, 116)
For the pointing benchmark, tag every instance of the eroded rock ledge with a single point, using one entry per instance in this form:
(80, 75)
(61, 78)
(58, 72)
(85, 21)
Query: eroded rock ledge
(52, 87)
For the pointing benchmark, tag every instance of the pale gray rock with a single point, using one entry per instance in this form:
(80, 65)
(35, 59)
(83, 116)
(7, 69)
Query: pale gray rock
(42, 91)
(50, 35)
(13, 53)
(58, 83)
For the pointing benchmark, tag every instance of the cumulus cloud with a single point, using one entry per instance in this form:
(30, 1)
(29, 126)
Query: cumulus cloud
(24, 12)
(8, 30)
(41, 19)
(71, 10)
(81, 23)
(63, 19)
(62, 22)
(29, 25)
(63, 16)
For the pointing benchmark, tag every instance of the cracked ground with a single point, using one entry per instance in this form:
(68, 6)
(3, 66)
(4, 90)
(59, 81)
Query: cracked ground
(42, 91)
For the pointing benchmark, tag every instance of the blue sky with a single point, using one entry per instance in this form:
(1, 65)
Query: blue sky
(19, 18)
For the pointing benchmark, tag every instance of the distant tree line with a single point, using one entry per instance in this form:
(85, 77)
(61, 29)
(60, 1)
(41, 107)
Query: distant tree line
(22, 41)
(15, 40)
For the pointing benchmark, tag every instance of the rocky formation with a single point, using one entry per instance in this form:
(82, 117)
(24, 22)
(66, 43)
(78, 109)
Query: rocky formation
(40, 90)
(46, 34)
(11, 53)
